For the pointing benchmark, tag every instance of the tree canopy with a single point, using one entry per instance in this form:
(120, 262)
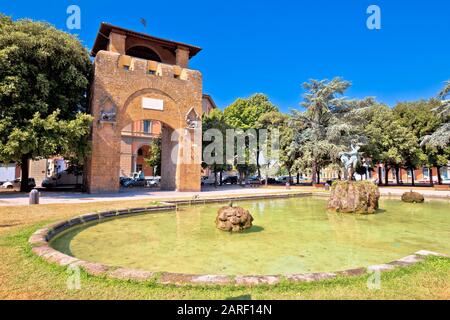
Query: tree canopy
(44, 79)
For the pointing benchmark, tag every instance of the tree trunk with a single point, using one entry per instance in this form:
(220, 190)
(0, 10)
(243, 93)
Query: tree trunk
(220, 176)
(431, 176)
(439, 175)
(397, 178)
(267, 175)
(298, 177)
(314, 172)
(380, 176)
(215, 176)
(318, 176)
(412, 177)
(386, 175)
(24, 166)
(258, 167)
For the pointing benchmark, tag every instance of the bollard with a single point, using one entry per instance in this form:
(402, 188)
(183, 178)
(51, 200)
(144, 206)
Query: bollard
(34, 197)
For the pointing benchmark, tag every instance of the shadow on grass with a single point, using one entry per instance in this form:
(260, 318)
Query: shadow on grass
(243, 297)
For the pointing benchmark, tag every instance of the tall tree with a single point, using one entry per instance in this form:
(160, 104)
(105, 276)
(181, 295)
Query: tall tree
(245, 114)
(328, 124)
(44, 77)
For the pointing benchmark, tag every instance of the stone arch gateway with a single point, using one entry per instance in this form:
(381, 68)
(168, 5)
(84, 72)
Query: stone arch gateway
(127, 89)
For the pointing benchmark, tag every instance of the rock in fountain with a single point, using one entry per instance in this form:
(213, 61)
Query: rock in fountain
(354, 197)
(413, 197)
(233, 219)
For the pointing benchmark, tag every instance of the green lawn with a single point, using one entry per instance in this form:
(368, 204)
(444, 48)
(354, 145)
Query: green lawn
(26, 276)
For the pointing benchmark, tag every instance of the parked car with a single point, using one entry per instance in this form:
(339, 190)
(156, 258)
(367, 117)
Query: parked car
(230, 180)
(254, 181)
(16, 184)
(123, 179)
(134, 182)
(153, 182)
(269, 181)
(284, 180)
(208, 180)
(66, 178)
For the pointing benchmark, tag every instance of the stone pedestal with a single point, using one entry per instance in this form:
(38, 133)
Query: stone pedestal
(354, 197)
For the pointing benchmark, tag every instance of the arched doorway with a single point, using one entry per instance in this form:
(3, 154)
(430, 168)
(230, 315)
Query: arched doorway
(140, 151)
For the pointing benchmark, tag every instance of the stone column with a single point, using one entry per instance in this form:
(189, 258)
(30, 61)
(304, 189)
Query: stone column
(168, 166)
(189, 161)
(182, 57)
(117, 42)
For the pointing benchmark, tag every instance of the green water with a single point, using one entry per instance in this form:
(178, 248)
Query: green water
(289, 236)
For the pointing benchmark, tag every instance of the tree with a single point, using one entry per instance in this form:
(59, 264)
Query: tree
(215, 120)
(245, 114)
(276, 120)
(328, 125)
(389, 142)
(44, 76)
(154, 160)
(419, 118)
(441, 137)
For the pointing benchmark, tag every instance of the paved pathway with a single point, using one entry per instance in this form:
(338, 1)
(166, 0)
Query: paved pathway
(16, 198)
(12, 199)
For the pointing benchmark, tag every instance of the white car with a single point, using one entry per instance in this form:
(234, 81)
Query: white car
(16, 184)
(153, 182)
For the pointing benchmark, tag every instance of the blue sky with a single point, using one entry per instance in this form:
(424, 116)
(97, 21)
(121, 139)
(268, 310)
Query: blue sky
(273, 46)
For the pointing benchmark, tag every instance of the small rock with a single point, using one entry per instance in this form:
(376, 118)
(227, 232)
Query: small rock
(234, 219)
(413, 197)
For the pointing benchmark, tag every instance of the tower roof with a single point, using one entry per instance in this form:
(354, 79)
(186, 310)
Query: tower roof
(101, 41)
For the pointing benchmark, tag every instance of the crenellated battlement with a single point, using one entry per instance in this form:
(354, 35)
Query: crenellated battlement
(108, 61)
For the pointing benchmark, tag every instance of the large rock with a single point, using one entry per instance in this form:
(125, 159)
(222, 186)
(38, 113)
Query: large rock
(413, 197)
(233, 219)
(354, 197)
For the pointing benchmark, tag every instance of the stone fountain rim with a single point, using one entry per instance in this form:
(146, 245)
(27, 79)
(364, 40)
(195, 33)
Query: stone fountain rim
(40, 246)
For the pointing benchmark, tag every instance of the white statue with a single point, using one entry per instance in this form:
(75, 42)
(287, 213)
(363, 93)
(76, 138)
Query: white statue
(350, 161)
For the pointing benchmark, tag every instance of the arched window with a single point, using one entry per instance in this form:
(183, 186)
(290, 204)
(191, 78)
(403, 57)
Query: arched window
(143, 53)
